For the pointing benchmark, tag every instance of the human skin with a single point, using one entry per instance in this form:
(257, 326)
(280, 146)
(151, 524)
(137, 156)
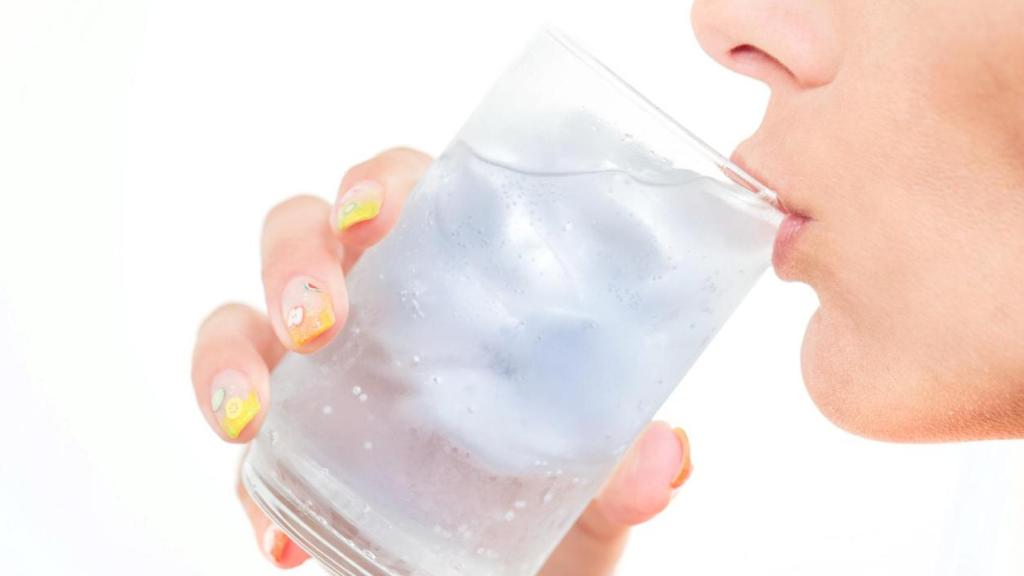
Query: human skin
(895, 128)
(305, 257)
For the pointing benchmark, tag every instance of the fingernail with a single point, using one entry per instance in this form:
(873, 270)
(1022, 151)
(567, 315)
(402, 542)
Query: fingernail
(687, 467)
(307, 310)
(275, 542)
(233, 401)
(360, 203)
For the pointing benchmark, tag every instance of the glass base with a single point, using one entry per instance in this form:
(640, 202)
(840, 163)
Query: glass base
(326, 542)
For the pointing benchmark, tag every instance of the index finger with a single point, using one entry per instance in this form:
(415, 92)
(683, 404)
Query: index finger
(371, 197)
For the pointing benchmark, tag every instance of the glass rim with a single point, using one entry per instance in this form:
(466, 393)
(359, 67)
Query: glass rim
(730, 169)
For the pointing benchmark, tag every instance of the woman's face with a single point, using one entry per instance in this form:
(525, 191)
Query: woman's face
(897, 129)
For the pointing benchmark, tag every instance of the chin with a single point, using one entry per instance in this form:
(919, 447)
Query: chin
(856, 392)
(868, 387)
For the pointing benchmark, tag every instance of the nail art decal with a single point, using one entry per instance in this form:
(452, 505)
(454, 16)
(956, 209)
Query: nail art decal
(361, 203)
(218, 399)
(307, 311)
(234, 402)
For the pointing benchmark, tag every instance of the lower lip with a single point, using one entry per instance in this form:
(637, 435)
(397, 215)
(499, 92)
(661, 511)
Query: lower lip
(785, 237)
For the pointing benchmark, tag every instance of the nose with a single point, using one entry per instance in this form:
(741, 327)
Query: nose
(784, 43)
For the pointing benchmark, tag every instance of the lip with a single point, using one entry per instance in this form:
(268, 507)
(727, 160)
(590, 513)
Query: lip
(785, 237)
(790, 227)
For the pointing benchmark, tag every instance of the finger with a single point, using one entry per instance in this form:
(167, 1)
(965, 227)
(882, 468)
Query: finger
(372, 195)
(641, 486)
(273, 542)
(305, 290)
(643, 483)
(234, 352)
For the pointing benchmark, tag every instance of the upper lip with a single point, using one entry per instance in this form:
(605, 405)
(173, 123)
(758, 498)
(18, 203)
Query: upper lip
(738, 158)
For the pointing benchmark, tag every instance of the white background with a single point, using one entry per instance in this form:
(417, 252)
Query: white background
(140, 145)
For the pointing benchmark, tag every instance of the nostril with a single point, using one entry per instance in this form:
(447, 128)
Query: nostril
(750, 59)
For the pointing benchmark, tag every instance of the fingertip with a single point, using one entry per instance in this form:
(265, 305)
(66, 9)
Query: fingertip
(230, 372)
(371, 197)
(643, 483)
(237, 401)
(274, 543)
(279, 549)
(687, 467)
(362, 214)
(311, 312)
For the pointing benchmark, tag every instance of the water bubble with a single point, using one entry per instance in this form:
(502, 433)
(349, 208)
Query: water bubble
(357, 390)
(437, 379)
(369, 555)
(327, 410)
(520, 504)
(273, 437)
(415, 359)
(548, 497)
(363, 397)
(509, 516)
(368, 445)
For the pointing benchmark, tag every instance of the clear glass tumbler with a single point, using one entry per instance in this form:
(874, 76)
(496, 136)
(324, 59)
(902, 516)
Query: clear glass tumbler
(551, 279)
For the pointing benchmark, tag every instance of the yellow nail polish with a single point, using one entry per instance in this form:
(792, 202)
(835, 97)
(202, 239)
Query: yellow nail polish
(308, 311)
(238, 413)
(684, 472)
(234, 402)
(361, 203)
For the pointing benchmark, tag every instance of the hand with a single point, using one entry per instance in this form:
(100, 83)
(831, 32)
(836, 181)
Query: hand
(306, 255)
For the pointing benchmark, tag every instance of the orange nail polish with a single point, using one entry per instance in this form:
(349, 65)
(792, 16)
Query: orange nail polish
(275, 542)
(307, 310)
(684, 472)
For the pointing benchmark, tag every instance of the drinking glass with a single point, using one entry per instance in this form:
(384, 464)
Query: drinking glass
(550, 281)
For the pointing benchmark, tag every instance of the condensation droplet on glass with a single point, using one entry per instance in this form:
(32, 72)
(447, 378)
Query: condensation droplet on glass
(327, 410)
(357, 390)
(520, 504)
(509, 516)
(363, 397)
(368, 445)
